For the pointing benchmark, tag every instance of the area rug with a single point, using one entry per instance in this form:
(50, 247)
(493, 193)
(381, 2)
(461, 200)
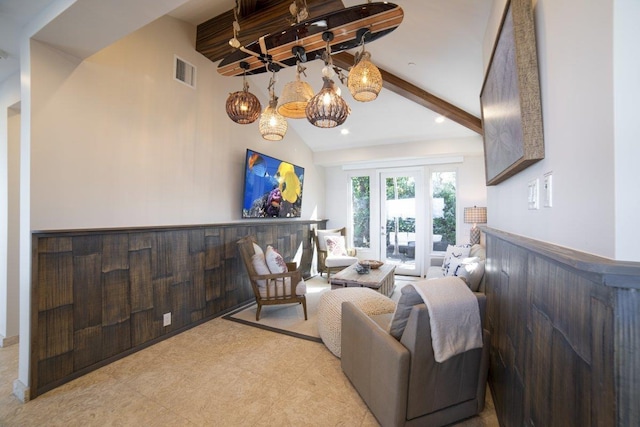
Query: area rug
(288, 319)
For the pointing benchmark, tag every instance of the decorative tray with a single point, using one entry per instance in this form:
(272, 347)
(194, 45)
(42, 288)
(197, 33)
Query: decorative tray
(371, 263)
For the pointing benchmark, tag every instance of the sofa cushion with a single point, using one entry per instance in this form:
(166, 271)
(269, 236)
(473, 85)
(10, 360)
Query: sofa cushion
(340, 261)
(280, 287)
(459, 251)
(408, 298)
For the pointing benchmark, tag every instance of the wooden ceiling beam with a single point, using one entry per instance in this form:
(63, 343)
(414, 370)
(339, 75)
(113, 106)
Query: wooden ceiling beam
(246, 7)
(256, 18)
(422, 97)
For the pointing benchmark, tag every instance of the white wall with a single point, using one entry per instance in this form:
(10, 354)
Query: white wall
(9, 137)
(626, 64)
(117, 142)
(576, 79)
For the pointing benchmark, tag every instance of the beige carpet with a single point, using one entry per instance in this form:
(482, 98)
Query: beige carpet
(289, 319)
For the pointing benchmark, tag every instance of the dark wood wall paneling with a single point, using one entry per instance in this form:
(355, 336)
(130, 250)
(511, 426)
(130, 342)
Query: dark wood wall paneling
(98, 295)
(565, 331)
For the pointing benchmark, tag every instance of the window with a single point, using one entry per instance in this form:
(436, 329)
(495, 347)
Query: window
(443, 209)
(360, 211)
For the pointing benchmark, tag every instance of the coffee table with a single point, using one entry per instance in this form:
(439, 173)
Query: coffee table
(380, 279)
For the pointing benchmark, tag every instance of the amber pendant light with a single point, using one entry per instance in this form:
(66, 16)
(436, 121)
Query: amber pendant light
(327, 109)
(243, 107)
(365, 79)
(272, 125)
(296, 94)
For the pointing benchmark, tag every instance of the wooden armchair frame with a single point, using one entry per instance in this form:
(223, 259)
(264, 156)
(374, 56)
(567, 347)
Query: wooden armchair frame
(274, 295)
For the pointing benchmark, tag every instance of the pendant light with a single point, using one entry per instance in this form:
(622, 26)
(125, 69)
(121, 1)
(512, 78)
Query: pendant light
(365, 80)
(296, 94)
(327, 109)
(272, 124)
(243, 107)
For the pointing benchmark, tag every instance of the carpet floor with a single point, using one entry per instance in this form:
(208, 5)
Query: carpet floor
(219, 373)
(288, 319)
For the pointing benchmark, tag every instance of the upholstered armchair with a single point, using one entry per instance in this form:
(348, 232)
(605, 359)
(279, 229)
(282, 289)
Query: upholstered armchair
(333, 254)
(395, 371)
(273, 281)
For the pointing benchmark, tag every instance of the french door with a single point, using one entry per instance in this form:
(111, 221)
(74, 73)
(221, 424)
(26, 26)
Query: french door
(402, 220)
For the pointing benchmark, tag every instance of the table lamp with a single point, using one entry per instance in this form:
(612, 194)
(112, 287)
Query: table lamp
(475, 215)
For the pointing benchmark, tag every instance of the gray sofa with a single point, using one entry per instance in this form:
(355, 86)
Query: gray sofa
(474, 280)
(400, 381)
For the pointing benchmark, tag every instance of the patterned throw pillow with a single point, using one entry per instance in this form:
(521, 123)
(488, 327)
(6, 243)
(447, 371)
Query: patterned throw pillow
(460, 252)
(275, 262)
(322, 234)
(469, 269)
(335, 245)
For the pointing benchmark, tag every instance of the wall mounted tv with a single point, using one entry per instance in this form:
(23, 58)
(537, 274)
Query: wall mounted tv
(272, 187)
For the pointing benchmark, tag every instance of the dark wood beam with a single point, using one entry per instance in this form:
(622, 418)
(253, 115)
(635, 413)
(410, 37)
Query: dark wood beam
(256, 19)
(246, 7)
(412, 92)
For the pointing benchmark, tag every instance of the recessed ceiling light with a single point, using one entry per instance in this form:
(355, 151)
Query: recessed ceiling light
(440, 119)
(344, 131)
(411, 64)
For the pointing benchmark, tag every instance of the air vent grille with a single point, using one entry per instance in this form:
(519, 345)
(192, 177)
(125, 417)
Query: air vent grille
(184, 72)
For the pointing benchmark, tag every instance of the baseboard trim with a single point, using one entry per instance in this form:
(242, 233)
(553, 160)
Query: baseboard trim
(7, 341)
(21, 391)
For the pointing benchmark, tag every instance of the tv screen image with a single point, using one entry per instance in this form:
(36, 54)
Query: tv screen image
(272, 187)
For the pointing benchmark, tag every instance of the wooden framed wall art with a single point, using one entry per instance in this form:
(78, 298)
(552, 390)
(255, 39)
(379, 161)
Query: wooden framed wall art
(510, 97)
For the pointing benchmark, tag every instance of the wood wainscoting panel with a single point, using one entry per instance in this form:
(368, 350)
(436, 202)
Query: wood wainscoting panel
(565, 331)
(99, 295)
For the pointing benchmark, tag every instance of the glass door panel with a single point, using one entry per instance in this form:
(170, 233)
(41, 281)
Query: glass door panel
(401, 197)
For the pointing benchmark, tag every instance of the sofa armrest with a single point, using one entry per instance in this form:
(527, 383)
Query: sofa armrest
(376, 364)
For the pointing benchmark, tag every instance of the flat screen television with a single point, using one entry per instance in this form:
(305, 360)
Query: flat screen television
(272, 187)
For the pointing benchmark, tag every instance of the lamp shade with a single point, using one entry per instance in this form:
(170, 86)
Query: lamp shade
(475, 215)
(365, 80)
(243, 107)
(294, 99)
(272, 124)
(327, 109)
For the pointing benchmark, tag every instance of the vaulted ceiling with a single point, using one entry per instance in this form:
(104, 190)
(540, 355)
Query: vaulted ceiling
(432, 66)
(432, 63)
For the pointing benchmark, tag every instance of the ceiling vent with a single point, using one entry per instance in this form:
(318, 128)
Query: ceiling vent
(184, 72)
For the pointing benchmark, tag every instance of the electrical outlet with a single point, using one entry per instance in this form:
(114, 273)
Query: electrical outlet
(166, 319)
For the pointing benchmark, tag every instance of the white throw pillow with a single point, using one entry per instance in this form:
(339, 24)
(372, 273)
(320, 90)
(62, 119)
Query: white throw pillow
(260, 266)
(459, 252)
(257, 249)
(469, 269)
(275, 262)
(335, 246)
